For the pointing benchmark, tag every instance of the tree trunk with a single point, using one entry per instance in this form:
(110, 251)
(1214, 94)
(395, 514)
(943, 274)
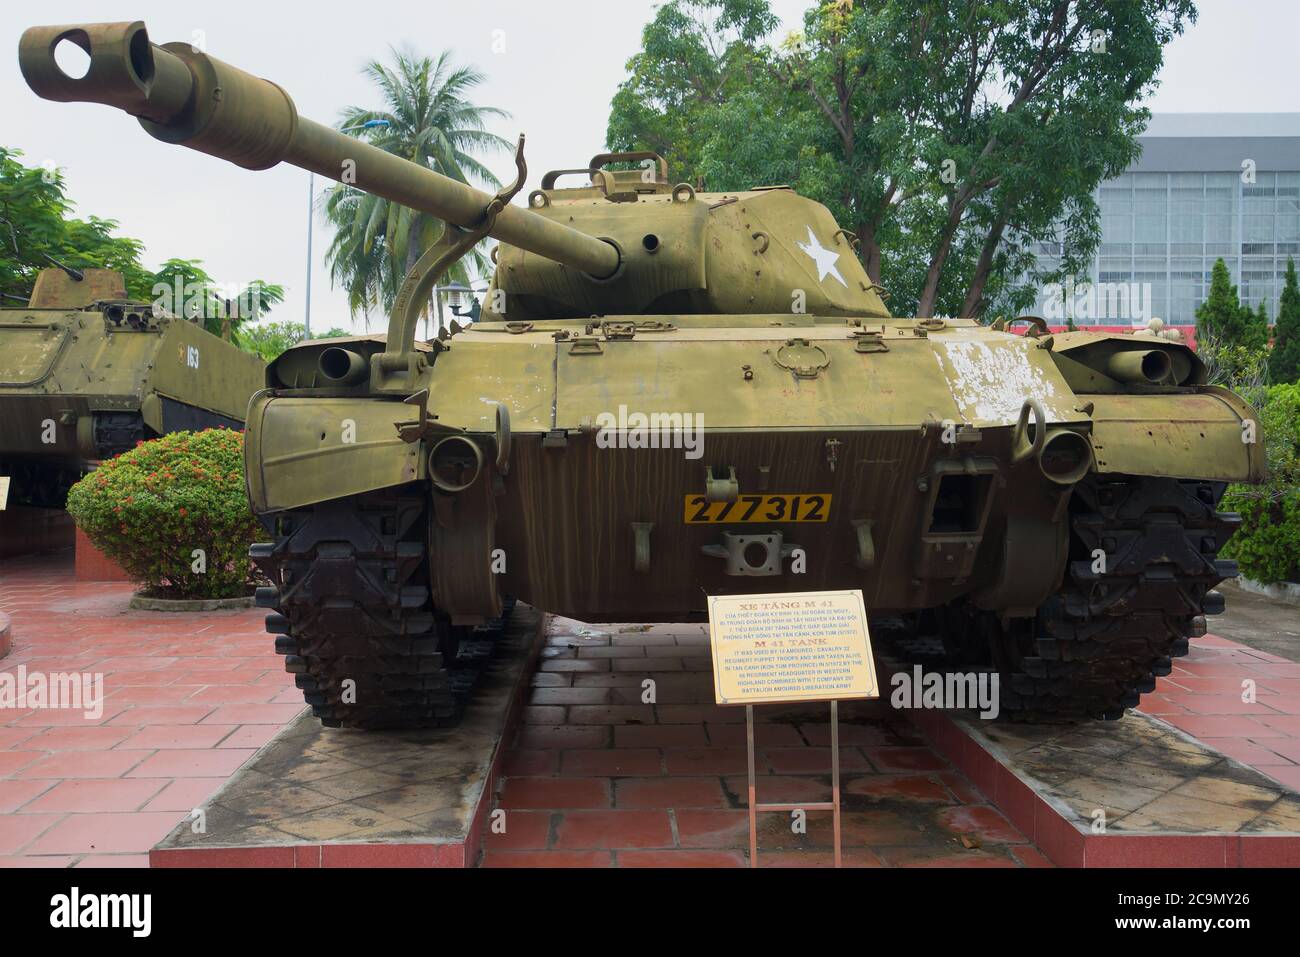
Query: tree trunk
(975, 293)
(925, 305)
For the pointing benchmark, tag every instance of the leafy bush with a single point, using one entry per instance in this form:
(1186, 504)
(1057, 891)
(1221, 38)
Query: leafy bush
(173, 513)
(1268, 543)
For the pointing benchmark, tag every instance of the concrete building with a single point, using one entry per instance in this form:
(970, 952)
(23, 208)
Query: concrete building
(1207, 185)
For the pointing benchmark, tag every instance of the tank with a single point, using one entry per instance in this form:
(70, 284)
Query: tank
(673, 393)
(86, 373)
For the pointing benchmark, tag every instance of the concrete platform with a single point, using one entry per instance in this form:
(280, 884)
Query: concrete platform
(1130, 793)
(320, 797)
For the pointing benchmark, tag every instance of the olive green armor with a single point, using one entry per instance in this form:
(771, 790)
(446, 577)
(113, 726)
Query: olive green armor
(86, 373)
(672, 394)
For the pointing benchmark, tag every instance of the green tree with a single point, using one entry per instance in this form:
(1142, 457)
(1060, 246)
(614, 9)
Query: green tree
(431, 122)
(952, 137)
(1222, 317)
(37, 231)
(182, 288)
(698, 59)
(1257, 331)
(1284, 360)
(270, 339)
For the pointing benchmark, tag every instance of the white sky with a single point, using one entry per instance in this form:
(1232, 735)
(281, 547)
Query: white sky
(562, 62)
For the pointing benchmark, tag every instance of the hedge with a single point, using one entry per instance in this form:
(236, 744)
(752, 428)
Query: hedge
(173, 513)
(1267, 545)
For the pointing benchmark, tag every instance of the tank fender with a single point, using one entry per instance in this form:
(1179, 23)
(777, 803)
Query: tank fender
(300, 450)
(1207, 433)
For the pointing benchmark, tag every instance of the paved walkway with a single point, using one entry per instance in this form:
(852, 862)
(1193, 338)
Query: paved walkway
(594, 776)
(1238, 700)
(187, 701)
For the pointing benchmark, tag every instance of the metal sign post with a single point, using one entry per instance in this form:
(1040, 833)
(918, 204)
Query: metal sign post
(833, 805)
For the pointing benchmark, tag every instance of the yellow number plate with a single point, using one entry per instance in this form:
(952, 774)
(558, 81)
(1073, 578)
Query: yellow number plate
(758, 508)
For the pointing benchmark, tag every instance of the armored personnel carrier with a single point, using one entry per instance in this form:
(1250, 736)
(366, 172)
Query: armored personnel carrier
(674, 393)
(85, 373)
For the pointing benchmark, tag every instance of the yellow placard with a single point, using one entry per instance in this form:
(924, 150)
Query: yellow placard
(748, 509)
(4, 492)
(795, 646)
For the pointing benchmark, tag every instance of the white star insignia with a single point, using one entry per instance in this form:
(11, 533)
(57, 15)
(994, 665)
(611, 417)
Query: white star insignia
(825, 259)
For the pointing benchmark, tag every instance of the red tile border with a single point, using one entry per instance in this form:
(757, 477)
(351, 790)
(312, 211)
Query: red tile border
(1163, 850)
(1059, 839)
(473, 847)
(307, 857)
(1279, 850)
(314, 856)
(224, 857)
(392, 855)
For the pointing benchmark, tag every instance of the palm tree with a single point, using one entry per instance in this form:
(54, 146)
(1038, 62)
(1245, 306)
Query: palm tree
(428, 120)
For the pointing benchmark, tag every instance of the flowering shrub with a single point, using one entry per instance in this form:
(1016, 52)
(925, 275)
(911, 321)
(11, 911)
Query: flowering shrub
(173, 513)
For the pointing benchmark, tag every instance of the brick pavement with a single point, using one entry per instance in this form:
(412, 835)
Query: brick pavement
(595, 777)
(187, 700)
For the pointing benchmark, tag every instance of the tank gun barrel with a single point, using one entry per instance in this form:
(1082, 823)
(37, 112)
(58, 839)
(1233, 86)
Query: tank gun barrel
(182, 95)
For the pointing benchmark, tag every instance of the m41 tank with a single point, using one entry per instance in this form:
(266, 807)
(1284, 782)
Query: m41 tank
(672, 394)
(85, 373)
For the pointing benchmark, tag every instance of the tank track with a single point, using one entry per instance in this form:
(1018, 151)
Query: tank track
(351, 603)
(1104, 637)
(1102, 640)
